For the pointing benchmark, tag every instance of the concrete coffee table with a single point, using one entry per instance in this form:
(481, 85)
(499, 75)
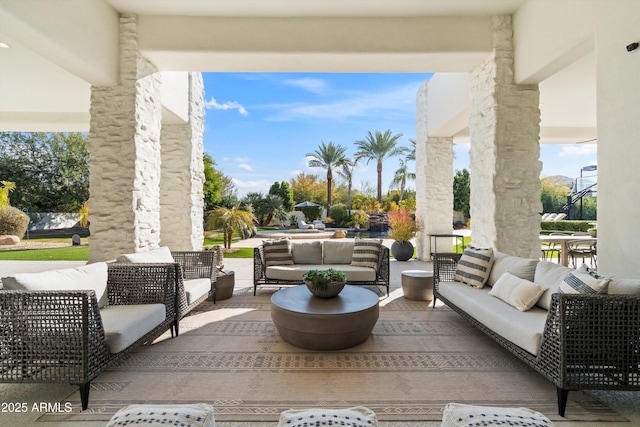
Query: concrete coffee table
(324, 323)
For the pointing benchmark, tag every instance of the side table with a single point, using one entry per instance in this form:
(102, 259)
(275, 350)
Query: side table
(417, 285)
(224, 286)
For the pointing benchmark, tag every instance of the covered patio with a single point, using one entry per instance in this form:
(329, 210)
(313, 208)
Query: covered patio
(503, 81)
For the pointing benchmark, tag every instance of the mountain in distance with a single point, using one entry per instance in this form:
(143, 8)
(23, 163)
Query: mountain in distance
(563, 180)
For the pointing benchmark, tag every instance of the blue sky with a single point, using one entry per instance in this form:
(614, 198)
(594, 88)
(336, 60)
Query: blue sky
(260, 126)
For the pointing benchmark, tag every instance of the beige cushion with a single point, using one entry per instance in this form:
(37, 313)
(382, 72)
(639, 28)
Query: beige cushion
(461, 415)
(277, 252)
(187, 415)
(624, 286)
(125, 324)
(358, 416)
(307, 252)
(474, 267)
(160, 255)
(520, 293)
(196, 288)
(584, 281)
(337, 252)
(87, 277)
(366, 253)
(523, 268)
(523, 328)
(296, 271)
(549, 275)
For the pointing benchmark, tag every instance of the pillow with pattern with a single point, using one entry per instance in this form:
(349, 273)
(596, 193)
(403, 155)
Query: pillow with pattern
(358, 416)
(277, 252)
(584, 281)
(474, 267)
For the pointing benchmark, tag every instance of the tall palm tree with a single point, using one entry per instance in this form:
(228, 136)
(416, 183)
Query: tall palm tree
(346, 173)
(401, 176)
(328, 156)
(379, 147)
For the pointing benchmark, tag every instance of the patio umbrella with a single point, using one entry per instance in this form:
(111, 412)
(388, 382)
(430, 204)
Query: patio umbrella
(306, 204)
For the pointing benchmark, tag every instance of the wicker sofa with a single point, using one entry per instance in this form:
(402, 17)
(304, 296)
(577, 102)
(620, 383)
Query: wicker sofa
(283, 262)
(196, 278)
(69, 325)
(577, 341)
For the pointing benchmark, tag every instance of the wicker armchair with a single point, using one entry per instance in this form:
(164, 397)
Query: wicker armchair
(58, 336)
(590, 342)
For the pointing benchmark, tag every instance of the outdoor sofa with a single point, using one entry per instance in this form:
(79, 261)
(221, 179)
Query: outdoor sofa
(582, 331)
(69, 325)
(284, 262)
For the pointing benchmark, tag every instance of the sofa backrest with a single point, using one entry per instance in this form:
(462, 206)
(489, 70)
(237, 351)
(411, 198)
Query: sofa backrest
(337, 251)
(307, 252)
(159, 255)
(523, 268)
(87, 277)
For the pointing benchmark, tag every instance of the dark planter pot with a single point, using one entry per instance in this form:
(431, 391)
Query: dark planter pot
(402, 251)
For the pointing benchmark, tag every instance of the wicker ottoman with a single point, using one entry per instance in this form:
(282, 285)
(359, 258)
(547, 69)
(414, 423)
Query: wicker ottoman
(417, 285)
(187, 415)
(461, 415)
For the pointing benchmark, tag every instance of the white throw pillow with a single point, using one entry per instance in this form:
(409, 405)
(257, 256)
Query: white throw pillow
(474, 267)
(358, 416)
(87, 277)
(461, 415)
(520, 293)
(584, 281)
(160, 255)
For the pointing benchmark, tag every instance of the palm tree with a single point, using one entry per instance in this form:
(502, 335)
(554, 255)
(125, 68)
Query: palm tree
(346, 173)
(379, 147)
(230, 220)
(401, 176)
(6, 188)
(328, 156)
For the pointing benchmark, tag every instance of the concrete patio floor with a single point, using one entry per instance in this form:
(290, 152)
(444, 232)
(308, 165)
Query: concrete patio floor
(625, 403)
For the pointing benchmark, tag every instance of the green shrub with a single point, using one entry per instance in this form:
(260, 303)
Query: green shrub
(339, 213)
(566, 225)
(13, 221)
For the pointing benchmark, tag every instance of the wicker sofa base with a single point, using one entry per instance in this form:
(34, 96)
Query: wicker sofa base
(590, 342)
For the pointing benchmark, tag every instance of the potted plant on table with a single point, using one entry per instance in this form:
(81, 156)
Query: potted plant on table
(403, 229)
(325, 283)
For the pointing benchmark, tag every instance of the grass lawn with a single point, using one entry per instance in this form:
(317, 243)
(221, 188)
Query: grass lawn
(70, 253)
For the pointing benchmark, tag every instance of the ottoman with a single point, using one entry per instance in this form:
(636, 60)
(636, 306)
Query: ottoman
(186, 415)
(417, 285)
(461, 415)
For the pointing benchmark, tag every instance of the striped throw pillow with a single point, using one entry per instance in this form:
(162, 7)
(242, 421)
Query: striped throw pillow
(584, 281)
(277, 252)
(366, 253)
(474, 267)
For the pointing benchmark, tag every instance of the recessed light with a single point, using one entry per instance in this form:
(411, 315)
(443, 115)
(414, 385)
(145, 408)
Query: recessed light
(4, 45)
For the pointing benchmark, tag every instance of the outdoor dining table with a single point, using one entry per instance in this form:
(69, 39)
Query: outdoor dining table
(562, 240)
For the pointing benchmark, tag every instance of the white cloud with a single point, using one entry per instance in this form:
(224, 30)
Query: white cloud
(242, 159)
(308, 84)
(395, 101)
(245, 166)
(579, 150)
(251, 186)
(229, 105)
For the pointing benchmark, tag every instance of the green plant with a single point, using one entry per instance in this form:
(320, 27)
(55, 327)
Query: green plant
(360, 218)
(339, 213)
(6, 188)
(13, 221)
(230, 221)
(403, 226)
(84, 214)
(320, 279)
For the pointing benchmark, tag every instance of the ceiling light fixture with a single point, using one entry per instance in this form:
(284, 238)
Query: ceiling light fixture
(4, 45)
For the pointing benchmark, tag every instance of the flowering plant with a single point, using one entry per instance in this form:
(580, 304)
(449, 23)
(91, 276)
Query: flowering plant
(403, 225)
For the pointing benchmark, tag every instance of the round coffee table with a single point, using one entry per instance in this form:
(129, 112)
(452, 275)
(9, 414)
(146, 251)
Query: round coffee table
(324, 323)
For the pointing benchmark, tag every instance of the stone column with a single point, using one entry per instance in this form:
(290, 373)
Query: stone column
(434, 180)
(505, 167)
(124, 149)
(182, 202)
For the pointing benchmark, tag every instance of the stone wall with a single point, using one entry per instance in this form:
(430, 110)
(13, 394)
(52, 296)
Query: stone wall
(124, 148)
(182, 202)
(505, 167)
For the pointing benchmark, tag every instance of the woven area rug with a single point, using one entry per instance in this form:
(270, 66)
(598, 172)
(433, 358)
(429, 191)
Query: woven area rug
(418, 358)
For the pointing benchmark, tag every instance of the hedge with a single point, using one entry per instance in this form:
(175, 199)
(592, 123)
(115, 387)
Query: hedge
(566, 225)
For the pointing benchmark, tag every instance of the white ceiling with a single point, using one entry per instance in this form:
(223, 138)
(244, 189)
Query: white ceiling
(41, 93)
